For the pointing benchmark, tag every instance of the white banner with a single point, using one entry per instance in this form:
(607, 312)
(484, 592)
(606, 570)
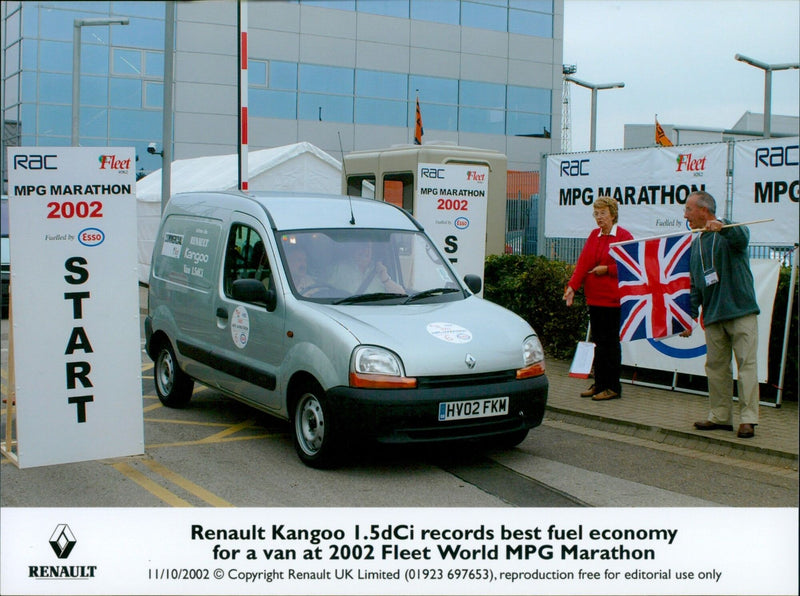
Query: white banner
(651, 185)
(451, 205)
(687, 355)
(766, 184)
(398, 551)
(75, 303)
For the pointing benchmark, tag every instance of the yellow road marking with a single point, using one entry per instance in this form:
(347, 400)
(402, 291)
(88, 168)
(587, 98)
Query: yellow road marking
(207, 442)
(228, 431)
(189, 422)
(152, 407)
(187, 485)
(156, 489)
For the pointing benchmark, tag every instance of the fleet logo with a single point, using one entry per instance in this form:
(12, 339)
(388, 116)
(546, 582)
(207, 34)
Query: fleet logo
(688, 163)
(110, 162)
(34, 161)
(62, 541)
(475, 176)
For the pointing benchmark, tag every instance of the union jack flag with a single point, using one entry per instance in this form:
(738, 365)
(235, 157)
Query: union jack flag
(654, 287)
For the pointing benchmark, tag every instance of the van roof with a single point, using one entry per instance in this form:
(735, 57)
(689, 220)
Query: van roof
(299, 211)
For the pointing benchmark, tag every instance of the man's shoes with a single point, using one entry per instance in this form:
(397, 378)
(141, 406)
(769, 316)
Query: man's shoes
(606, 394)
(708, 425)
(745, 431)
(589, 392)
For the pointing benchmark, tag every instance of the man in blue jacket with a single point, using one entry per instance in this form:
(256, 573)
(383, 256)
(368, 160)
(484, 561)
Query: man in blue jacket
(722, 284)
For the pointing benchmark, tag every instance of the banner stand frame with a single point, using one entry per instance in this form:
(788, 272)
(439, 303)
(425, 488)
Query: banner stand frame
(788, 324)
(7, 443)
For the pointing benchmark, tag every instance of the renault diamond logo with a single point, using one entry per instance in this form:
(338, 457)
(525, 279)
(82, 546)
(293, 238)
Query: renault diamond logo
(62, 541)
(470, 360)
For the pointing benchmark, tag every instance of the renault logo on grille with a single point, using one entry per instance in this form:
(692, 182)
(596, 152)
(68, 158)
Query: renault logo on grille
(470, 360)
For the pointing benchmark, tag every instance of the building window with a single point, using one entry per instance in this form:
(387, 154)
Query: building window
(489, 14)
(387, 8)
(438, 11)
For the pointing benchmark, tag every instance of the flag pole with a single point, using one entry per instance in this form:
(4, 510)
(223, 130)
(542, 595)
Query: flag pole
(668, 235)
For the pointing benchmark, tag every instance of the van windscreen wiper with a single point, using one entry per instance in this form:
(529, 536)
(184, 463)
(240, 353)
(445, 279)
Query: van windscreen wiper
(373, 297)
(431, 292)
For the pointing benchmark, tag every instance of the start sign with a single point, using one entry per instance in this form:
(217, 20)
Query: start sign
(451, 204)
(75, 304)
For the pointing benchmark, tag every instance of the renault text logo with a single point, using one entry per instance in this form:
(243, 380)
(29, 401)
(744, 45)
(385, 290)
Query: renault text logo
(62, 541)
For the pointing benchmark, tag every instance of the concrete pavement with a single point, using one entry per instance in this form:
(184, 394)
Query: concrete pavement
(667, 417)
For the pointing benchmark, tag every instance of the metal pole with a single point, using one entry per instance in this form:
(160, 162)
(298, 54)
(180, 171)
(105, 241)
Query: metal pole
(76, 80)
(593, 124)
(767, 102)
(166, 115)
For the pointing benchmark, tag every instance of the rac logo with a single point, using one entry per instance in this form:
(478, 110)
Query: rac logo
(575, 167)
(775, 157)
(432, 173)
(34, 161)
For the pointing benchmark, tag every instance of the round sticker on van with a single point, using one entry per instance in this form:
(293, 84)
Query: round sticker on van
(240, 327)
(449, 332)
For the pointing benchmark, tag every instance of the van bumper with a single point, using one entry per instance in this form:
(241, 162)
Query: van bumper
(412, 415)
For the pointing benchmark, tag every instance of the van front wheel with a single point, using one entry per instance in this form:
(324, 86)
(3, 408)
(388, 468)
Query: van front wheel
(173, 386)
(314, 429)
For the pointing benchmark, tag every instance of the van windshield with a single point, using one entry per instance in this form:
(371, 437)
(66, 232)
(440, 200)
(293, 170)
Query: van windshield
(350, 266)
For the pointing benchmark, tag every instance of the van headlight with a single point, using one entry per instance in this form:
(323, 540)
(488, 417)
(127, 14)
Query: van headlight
(374, 367)
(532, 358)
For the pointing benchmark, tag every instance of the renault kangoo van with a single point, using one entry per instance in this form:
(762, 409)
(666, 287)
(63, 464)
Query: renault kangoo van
(340, 315)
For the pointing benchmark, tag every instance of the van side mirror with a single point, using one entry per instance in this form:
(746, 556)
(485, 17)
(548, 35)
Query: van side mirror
(252, 290)
(473, 282)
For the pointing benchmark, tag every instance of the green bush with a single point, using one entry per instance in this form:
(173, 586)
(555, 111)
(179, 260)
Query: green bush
(533, 286)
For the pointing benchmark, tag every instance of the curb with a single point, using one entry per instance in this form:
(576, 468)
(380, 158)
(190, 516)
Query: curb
(703, 443)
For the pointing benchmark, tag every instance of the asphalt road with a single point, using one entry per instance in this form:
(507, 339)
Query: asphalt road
(220, 453)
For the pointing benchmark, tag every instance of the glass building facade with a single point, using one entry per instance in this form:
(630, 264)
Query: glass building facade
(122, 74)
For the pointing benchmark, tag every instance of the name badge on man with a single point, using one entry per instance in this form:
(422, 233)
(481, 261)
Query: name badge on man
(711, 278)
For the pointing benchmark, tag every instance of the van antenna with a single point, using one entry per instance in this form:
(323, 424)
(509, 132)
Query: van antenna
(346, 181)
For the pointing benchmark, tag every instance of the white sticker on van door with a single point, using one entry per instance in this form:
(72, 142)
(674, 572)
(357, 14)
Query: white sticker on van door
(449, 332)
(240, 327)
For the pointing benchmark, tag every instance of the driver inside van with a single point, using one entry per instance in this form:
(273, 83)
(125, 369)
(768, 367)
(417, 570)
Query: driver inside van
(298, 267)
(361, 274)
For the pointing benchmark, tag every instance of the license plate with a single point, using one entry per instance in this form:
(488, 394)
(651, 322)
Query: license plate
(476, 408)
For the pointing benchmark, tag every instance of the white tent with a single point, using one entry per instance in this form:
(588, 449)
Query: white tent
(298, 167)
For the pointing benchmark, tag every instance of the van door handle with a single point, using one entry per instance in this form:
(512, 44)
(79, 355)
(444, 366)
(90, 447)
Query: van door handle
(222, 313)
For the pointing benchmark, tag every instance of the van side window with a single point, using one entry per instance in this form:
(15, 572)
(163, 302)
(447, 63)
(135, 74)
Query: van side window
(245, 257)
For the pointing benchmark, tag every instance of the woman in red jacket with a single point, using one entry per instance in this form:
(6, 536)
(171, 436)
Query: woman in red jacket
(596, 271)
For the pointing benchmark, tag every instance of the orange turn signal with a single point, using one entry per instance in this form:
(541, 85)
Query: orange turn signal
(534, 370)
(367, 381)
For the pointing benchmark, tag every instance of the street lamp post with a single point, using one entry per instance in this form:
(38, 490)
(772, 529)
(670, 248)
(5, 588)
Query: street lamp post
(767, 68)
(78, 24)
(594, 88)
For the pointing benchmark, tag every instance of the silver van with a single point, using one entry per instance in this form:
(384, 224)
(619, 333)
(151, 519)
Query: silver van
(338, 314)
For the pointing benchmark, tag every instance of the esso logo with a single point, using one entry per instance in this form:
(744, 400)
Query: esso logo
(91, 237)
(462, 223)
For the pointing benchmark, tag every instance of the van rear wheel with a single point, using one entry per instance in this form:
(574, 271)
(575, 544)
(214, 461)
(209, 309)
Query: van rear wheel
(173, 386)
(314, 429)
